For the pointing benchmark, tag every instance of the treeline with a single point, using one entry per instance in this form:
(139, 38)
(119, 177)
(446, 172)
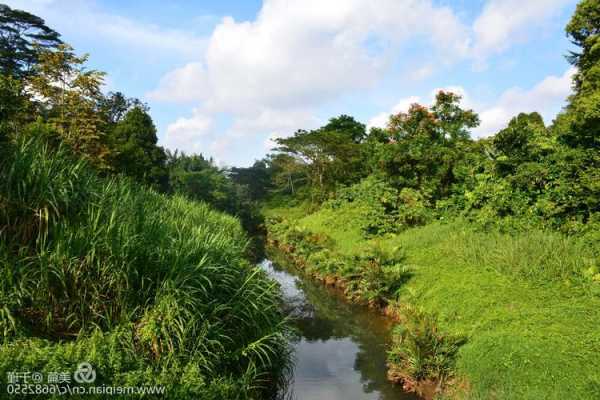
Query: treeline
(47, 90)
(425, 164)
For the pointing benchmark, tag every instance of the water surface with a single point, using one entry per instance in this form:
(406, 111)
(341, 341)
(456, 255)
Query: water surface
(340, 350)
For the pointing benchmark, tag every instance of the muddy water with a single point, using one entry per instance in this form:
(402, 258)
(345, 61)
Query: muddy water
(340, 348)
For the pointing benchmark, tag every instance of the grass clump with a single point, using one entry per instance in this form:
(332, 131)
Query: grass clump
(422, 356)
(139, 284)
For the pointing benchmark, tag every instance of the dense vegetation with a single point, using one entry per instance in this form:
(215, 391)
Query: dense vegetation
(487, 251)
(111, 251)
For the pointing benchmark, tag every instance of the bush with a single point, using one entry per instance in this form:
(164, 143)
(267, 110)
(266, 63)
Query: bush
(383, 208)
(420, 351)
(378, 274)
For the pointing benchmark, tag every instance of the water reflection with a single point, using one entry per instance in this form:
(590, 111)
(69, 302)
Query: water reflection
(340, 348)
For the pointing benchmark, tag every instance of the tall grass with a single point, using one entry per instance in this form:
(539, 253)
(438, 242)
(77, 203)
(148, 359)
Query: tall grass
(86, 257)
(537, 256)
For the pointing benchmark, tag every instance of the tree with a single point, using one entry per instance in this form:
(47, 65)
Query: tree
(424, 145)
(22, 37)
(332, 153)
(288, 172)
(67, 96)
(583, 129)
(115, 105)
(137, 154)
(14, 106)
(256, 178)
(584, 31)
(348, 127)
(525, 139)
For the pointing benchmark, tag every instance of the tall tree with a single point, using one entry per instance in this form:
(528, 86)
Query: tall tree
(22, 37)
(332, 153)
(67, 95)
(525, 139)
(256, 178)
(583, 112)
(115, 105)
(137, 154)
(14, 105)
(425, 144)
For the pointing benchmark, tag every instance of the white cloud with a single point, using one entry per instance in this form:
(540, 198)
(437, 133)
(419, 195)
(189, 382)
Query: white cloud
(186, 134)
(504, 22)
(182, 85)
(83, 18)
(270, 75)
(547, 98)
(302, 53)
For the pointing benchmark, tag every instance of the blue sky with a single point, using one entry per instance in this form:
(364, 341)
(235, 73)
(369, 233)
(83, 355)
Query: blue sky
(224, 77)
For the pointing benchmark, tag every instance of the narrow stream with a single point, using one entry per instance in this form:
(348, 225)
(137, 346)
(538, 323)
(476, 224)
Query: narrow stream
(340, 348)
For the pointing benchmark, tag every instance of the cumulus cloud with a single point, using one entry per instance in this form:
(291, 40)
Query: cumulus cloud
(84, 18)
(271, 74)
(547, 97)
(186, 134)
(503, 22)
(182, 84)
(301, 53)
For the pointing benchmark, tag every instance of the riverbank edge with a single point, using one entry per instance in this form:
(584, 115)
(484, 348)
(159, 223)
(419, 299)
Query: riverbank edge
(282, 252)
(528, 336)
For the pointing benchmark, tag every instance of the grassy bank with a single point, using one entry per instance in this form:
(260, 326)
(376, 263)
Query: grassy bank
(149, 289)
(497, 316)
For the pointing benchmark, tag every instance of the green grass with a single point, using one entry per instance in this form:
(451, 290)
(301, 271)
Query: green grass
(150, 289)
(524, 303)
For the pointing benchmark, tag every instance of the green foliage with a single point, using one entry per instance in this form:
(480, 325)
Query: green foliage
(13, 106)
(584, 108)
(378, 203)
(424, 145)
(330, 154)
(377, 274)
(22, 37)
(67, 94)
(256, 178)
(148, 288)
(382, 208)
(137, 154)
(199, 179)
(420, 350)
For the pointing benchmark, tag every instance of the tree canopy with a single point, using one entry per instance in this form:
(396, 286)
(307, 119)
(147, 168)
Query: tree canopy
(22, 37)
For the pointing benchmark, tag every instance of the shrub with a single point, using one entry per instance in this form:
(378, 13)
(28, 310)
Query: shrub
(383, 208)
(420, 351)
(378, 274)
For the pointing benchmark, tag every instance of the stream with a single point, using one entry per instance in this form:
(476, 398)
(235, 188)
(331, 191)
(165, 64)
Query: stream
(340, 348)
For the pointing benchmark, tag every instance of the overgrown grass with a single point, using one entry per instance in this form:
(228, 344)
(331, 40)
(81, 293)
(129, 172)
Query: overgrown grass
(527, 304)
(150, 289)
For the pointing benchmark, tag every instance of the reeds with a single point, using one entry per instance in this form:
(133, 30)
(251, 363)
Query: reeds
(81, 254)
